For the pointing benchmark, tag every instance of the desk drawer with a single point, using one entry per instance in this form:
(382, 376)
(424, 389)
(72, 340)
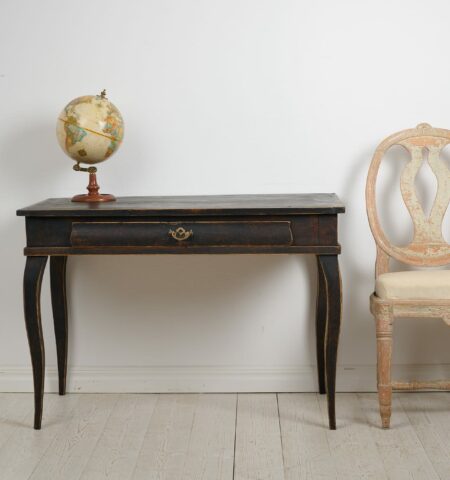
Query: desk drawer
(181, 233)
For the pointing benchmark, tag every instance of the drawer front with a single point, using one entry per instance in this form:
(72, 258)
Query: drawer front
(181, 233)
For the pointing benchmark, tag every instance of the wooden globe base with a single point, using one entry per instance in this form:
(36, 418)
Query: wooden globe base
(93, 195)
(101, 197)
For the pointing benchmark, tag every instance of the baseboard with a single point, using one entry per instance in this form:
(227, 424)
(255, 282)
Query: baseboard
(162, 379)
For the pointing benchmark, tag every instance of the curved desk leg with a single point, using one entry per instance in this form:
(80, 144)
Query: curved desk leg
(59, 306)
(330, 268)
(32, 279)
(321, 323)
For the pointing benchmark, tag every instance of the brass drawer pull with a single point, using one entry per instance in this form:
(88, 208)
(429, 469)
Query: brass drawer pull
(180, 234)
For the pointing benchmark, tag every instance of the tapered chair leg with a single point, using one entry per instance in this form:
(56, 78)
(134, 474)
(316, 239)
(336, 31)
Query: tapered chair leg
(384, 320)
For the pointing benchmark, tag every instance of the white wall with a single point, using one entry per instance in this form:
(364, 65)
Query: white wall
(236, 96)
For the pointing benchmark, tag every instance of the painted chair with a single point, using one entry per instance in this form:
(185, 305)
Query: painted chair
(418, 293)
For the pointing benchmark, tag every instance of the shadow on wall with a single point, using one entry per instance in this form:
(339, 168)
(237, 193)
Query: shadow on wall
(357, 273)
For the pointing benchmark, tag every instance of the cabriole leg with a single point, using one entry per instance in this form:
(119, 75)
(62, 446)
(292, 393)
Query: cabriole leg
(330, 269)
(59, 306)
(34, 269)
(321, 323)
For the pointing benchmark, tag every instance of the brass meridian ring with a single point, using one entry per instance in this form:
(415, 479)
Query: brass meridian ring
(91, 131)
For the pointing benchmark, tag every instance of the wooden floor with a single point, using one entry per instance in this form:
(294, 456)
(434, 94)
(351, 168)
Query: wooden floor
(223, 436)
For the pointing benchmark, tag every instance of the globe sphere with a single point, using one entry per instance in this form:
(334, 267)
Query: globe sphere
(90, 129)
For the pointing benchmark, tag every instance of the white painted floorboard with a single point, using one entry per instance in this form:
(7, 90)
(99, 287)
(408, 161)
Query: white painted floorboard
(430, 417)
(116, 452)
(306, 449)
(189, 436)
(400, 448)
(224, 437)
(352, 445)
(259, 452)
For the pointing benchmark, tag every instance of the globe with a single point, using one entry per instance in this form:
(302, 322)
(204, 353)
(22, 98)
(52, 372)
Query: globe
(90, 129)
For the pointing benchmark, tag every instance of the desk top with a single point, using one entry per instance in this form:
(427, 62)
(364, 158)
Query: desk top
(283, 204)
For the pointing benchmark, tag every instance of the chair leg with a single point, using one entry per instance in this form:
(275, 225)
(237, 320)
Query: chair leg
(384, 320)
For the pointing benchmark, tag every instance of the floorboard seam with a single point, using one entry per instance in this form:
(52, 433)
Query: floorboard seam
(281, 434)
(235, 433)
(145, 435)
(99, 436)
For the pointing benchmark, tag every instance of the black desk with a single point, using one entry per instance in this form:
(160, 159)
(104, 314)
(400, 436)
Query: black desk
(299, 224)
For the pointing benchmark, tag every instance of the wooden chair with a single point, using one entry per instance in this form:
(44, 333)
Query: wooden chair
(419, 293)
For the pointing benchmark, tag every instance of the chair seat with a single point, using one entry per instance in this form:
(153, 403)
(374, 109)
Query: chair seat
(415, 285)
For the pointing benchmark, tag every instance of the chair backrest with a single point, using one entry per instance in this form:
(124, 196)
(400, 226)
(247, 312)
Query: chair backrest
(428, 247)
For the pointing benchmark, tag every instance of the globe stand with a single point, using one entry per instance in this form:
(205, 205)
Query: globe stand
(93, 188)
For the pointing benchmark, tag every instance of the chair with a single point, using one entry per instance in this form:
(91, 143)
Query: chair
(419, 293)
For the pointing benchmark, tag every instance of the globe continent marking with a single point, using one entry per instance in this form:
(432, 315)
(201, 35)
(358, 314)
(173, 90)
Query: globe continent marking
(90, 129)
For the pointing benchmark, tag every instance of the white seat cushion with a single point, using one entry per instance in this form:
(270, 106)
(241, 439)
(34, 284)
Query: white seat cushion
(415, 285)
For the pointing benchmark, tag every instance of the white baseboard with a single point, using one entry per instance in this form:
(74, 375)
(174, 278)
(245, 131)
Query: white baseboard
(161, 379)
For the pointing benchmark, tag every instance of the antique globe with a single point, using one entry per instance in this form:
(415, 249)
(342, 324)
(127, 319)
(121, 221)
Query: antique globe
(89, 130)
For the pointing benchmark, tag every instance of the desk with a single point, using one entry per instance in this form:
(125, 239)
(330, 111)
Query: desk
(238, 224)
